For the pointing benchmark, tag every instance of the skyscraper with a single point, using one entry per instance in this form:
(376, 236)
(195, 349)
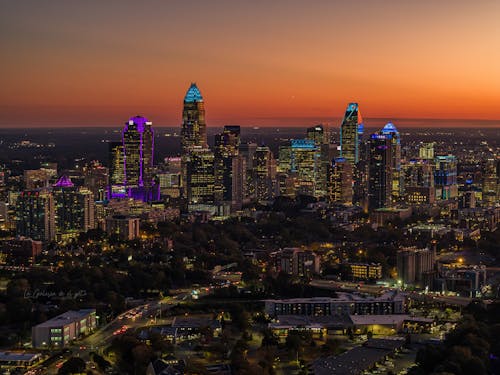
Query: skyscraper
(490, 182)
(349, 136)
(263, 173)
(138, 151)
(74, 208)
(200, 176)
(225, 150)
(317, 134)
(390, 131)
(194, 128)
(301, 159)
(116, 163)
(138, 146)
(340, 182)
(379, 171)
(35, 215)
(445, 177)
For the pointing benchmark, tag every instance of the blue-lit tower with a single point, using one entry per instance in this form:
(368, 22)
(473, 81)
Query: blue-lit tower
(390, 131)
(194, 128)
(349, 134)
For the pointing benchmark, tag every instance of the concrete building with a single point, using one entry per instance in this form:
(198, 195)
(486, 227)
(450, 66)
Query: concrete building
(344, 304)
(62, 329)
(413, 263)
(125, 227)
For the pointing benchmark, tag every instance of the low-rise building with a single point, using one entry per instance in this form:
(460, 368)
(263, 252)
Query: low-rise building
(62, 329)
(392, 302)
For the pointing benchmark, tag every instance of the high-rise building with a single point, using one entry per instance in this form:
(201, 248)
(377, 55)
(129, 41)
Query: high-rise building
(238, 182)
(138, 146)
(340, 181)
(263, 173)
(390, 131)
(426, 151)
(418, 178)
(317, 134)
(490, 184)
(301, 159)
(131, 162)
(74, 208)
(200, 176)
(35, 215)
(96, 179)
(226, 148)
(194, 131)
(445, 177)
(379, 171)
(247, 151)
(116, 163)
(349, 136)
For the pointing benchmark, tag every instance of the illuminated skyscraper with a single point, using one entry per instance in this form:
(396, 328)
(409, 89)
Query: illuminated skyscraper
(340, 182)
(194, 128)
(35, 215)
(379, 171)
(263, 173)
(96, 178)
(138, 146)
(349, 136)
(116, 163)
(317, 134)
(490, 183)
(138, 151)
(445, 177)
(200, 176)
(74, 208)
(226, 148)
(390, 131)
(419, 182)
(301, 159)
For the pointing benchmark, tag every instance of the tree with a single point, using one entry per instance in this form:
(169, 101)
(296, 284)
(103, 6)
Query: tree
(73, 365)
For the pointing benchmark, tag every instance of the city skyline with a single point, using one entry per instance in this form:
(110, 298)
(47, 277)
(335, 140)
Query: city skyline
(290, 65)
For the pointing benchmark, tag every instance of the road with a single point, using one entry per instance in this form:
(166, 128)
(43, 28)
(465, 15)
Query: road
(134, 318)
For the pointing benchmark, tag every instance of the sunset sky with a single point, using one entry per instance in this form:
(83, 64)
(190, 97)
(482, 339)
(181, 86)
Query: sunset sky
(96, 63)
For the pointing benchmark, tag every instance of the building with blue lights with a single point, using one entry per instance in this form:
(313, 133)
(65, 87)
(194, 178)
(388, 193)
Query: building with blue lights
(349, 133)
(301, 160)
(391, 132)
(194, 128)
(445, 177)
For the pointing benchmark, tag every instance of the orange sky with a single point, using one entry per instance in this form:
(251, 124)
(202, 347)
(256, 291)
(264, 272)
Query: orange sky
(256, 62)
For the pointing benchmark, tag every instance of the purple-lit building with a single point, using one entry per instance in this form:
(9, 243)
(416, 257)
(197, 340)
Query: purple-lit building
(137, 157)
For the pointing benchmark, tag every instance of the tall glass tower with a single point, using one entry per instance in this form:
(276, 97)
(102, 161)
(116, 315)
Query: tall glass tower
(194, 128)
(392, 133)
(138, 145)
(349, 135)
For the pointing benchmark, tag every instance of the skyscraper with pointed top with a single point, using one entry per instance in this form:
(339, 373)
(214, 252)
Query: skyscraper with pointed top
(349, 134)
(194, 128)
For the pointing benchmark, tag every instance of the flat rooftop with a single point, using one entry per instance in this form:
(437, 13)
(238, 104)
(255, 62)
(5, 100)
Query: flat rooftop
(18, 356)
(358, 359)
(388, 296)
(66, 318)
